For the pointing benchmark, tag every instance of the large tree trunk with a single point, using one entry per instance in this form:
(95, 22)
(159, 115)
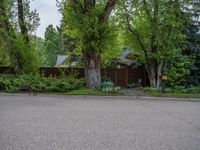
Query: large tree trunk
(151, 70)
(92, 69)
(91, 57)
(152, 78)
(21, 21)
(159, 73)
(154, 73)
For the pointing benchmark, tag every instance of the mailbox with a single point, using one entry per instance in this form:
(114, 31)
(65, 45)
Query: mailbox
(164, 77)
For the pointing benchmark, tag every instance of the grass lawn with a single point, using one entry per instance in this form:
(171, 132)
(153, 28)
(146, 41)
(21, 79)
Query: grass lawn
(96, 92)
(175, 95)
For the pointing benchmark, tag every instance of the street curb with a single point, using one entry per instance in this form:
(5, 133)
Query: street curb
(137, 97)
(170, 98)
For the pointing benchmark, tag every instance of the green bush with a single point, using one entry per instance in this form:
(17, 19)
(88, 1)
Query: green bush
(107, 86)
(36, 83)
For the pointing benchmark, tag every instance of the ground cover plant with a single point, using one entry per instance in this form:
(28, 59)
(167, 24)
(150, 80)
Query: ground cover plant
(94, 92)
(164, 37)
(178, 91)
(36, 83)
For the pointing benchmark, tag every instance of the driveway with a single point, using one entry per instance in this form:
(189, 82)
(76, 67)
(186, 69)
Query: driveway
(89, 123)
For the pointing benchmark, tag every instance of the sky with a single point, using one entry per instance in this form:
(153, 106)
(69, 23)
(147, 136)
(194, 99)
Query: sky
(48, 13)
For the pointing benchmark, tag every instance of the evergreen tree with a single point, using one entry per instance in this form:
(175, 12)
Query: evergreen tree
(192, 31)
(52, 46)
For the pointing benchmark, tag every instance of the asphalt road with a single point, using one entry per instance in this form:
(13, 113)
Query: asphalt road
(77, 123)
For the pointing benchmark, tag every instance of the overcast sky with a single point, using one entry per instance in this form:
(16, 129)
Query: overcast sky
(48, 13)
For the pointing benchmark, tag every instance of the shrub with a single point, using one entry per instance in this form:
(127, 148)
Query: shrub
(36, 83)
(107, 86)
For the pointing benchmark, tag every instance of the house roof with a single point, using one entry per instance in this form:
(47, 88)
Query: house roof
(67, 61)
(125, 53)
(127, 58)
(60, 59)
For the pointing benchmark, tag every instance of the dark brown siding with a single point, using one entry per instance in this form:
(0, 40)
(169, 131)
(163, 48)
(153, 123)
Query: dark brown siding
(120, 77)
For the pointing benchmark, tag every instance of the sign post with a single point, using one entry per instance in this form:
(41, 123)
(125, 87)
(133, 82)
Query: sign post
(164, 79)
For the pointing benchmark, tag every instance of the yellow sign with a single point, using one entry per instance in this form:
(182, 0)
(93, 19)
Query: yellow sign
(164, 77)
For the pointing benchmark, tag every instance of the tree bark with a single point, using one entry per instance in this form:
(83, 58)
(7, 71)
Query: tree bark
(92, 68)
(92, 58)
(155, 73)
(107, 11)
(152, 74)
(159, 73)
(21, 21)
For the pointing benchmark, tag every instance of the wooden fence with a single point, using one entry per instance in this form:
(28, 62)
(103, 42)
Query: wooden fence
(7, 70)
(120, 77)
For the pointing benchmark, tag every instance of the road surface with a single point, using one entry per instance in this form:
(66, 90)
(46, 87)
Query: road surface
(97, 123)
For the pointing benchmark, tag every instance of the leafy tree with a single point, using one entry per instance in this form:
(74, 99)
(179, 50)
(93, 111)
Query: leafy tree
(52, 46)
(21, 21)
(22, 57)
(21, 17)
(88, 22)
(4, 57)
(155, 28)
(115, 46)
(37, 44)
(8, 34)
(178, 69)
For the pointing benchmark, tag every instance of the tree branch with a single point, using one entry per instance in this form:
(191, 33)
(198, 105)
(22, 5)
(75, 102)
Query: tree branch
(107, 11)
(136, 34)
(89, 5)
(147, 9)
(77, 6)
(21, 21)
(154, 23)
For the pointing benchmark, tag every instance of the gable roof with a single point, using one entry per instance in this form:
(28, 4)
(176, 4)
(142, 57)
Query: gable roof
(125, 53)
(60, 59)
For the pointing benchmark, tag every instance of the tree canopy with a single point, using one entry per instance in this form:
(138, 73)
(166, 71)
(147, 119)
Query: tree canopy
(165, 34)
